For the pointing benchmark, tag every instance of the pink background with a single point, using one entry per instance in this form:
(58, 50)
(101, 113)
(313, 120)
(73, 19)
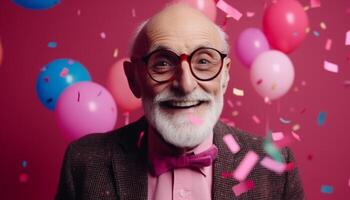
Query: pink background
(28, 131)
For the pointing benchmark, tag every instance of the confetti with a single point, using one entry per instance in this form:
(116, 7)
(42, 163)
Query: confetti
(296, 136)
(310, 157)
(64, 72)
(245, 166)
(347, 83)
(284, 121)
(316, 33)
(315, 3)
(24, 163)
(250, 14)
(133, 12)
(46, 79)
(229, 102)
(195, 120)
(23, 177)
(321, 118)
(238, 92)
(115, 53)
(78, 12)
(277, 136)
(229, 10)
(103, 35)
(328, 45)
(296, 127)
(273, 165)
(227, 175)
(239, 103)
(52, 44)
(290, 166)
(323, 25)
(327, 189)
(349, 182)
(331, 67)
(271, 149)
(243, 187)
(347, 38)
(231, 143)
(256, 119)
(259, 81)
(235, 113)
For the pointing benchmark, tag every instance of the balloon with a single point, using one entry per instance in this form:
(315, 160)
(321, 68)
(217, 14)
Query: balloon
(37, 4)
(55, 77)
(208, 7)
(85, 107)
(250, 43)
(284, 25)
(117, 83)
(272, 74)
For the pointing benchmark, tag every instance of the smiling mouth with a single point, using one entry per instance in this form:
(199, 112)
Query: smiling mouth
(181, 104)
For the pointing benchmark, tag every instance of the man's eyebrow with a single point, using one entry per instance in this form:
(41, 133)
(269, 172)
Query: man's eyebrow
(163, 47)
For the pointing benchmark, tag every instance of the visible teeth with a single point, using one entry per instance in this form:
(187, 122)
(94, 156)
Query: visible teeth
(183, 103)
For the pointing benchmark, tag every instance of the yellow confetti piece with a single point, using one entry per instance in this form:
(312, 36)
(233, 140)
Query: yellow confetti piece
(323, 26)
(235, 113)
(296, 127)
(238, 92)
(115, 53)
(307, 30)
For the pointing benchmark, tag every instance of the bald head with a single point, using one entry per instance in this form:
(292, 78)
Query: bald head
(180, 28)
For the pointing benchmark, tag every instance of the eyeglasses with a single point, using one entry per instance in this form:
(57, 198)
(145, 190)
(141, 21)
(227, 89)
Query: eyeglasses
(205, 64)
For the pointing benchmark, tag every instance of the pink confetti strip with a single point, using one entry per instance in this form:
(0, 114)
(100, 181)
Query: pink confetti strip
(296, 136)
(347, 38)
(328, 45)
(250, 14)
(273, 165)
(246, 165)
(195, 120)
(103, 35)
(277, 136)
(229, 102)
(331, 67)
(231, 143)
(256, 119)
(133, 12)
(229, 10)
(243, 187)
(315, 3)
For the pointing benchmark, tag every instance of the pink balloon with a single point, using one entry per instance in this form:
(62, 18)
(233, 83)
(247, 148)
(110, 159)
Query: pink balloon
(250, 43)
(284, 25)
(84, 108)
(117, 83)
(272, 74)
(208, 7)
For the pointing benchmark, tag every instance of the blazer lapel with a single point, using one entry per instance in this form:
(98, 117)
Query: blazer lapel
(225, 162)
(130, 162)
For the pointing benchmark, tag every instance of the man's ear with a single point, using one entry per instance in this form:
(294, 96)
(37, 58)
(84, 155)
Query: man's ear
(226, 79)
(131, 75)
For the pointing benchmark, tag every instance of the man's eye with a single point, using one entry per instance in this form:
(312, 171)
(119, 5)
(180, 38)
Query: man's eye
(162, 63)
(203, 61)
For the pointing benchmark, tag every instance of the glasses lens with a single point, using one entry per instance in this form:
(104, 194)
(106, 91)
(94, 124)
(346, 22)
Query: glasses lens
(206, 63)
(161, 65)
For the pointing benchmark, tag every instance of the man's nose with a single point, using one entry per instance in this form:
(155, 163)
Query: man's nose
(185, 82)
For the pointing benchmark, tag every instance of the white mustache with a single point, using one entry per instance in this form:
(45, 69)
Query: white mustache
(196, 95)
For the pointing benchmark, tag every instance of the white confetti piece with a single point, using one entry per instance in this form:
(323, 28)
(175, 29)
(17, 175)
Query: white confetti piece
(331, 67)
(238, 92)
(277, 136)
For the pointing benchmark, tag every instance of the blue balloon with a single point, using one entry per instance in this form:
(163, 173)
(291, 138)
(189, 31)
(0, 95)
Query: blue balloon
(55, 77)
(37, 4)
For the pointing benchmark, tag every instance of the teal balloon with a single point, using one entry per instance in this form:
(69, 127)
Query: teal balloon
(36, 4)
(55, 77)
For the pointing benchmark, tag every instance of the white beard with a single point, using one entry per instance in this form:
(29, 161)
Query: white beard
(177, 128)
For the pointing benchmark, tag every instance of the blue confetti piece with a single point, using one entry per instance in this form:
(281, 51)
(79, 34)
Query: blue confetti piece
(321, 118)
(316, 33)
(52, 44)
(327, 189)
(24, 164)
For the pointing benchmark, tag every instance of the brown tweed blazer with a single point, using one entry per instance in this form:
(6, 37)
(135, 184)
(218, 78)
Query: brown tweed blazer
(110, 166)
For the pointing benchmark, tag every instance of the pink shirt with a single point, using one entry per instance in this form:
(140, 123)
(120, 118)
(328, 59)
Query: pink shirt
(179, 184)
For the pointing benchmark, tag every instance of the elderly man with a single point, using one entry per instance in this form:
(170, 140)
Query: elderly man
(180, 69)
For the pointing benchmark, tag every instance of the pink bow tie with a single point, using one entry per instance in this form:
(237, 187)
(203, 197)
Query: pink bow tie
(163, 164)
